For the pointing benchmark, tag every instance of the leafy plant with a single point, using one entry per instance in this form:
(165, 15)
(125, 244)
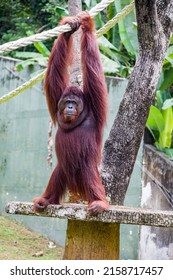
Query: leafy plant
(31, 58)
(124, 37)
(17, 17)
(127, 30)
(119, 45)
(160, 122)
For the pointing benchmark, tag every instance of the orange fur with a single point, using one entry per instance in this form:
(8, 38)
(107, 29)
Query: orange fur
(78, 148)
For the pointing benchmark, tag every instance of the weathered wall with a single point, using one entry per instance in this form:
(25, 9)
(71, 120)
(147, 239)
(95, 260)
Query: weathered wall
(24, 171)
(156, 243)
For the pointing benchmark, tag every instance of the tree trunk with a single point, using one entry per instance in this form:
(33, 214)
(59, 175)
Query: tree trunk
(88, 240)
(154, 19)
(74, 7)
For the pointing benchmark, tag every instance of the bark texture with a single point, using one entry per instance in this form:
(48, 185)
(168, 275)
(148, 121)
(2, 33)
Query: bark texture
(154, 19)
(74, 8)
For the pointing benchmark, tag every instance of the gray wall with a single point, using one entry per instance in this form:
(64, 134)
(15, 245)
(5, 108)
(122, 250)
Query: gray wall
(24, 171)
(156, 243)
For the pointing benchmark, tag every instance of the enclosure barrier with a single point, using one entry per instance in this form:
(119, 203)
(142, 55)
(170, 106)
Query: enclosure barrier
(95, 237)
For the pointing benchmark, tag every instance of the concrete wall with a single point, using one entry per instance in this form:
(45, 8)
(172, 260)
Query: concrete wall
(157, 192)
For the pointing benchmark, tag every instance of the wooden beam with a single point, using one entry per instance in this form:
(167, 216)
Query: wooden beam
(92, 240)
(115, 214)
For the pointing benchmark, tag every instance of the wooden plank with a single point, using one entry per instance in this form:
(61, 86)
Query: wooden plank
(115, 214)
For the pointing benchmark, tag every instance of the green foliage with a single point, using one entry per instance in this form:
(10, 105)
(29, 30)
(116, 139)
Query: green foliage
(166, 78)
(160, 122)
(14, 20)
(124, 37)
(116, 58)
(40, 46)
(55, 10)
(155, 122)
(113, 34)
(32, 58)
(119, 45)
(18, 17)
(127, 30)
(109, 66)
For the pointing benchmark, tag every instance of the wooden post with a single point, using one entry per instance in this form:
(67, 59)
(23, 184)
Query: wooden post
(91, 240)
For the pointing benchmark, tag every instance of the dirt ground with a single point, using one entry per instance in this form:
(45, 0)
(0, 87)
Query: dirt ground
(19, 243)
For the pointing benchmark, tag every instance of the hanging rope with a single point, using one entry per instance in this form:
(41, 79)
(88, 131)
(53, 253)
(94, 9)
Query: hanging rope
(99, 33)
(50, 144)
(49, 33)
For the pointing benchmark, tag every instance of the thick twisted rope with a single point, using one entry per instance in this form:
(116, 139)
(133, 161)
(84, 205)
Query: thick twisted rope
(23, 87)
(99, 7)
(13, 45)
(99, 33)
